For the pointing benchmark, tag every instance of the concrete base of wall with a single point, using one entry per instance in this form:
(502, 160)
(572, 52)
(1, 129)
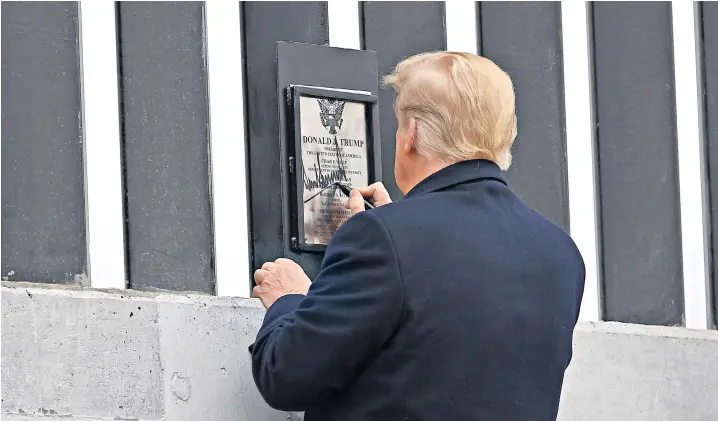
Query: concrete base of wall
(104, 355)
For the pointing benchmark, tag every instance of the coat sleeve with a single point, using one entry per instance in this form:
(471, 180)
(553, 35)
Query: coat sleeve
(311, 347)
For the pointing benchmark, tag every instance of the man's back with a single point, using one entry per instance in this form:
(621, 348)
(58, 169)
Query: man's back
(491, 295)
(488, 296)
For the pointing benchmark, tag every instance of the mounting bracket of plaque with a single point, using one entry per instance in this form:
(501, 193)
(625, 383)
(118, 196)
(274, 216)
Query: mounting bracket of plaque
(325, 93)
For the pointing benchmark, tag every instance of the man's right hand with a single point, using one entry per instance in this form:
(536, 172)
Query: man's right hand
(375, 194)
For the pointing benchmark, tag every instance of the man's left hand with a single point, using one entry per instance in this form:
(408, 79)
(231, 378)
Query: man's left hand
(279, 278)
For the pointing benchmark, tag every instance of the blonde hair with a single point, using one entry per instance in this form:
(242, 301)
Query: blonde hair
(463, 106)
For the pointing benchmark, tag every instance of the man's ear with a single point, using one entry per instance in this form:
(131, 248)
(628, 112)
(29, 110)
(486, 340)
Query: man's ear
(411, 133)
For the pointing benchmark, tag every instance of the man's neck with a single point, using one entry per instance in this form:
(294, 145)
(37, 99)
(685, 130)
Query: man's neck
(425, 169)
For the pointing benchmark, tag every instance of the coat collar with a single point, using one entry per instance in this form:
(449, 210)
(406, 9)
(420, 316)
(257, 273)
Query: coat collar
(458, 173)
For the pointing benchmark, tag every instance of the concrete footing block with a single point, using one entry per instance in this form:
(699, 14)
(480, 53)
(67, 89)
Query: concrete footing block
(74, 354)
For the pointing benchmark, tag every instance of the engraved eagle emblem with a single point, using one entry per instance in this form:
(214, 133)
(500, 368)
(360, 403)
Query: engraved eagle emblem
(330, 111)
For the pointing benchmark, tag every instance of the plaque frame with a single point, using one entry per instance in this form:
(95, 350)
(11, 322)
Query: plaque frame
(295, 162)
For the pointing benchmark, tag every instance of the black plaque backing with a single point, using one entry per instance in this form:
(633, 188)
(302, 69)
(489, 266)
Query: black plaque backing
(325, 72)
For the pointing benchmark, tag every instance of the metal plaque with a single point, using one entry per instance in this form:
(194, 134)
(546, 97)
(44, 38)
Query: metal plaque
(331, 146)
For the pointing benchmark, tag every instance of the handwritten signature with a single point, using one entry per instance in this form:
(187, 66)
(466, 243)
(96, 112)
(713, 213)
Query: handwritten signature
(322, 180)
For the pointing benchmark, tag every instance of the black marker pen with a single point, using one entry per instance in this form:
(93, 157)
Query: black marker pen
(347, 191)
